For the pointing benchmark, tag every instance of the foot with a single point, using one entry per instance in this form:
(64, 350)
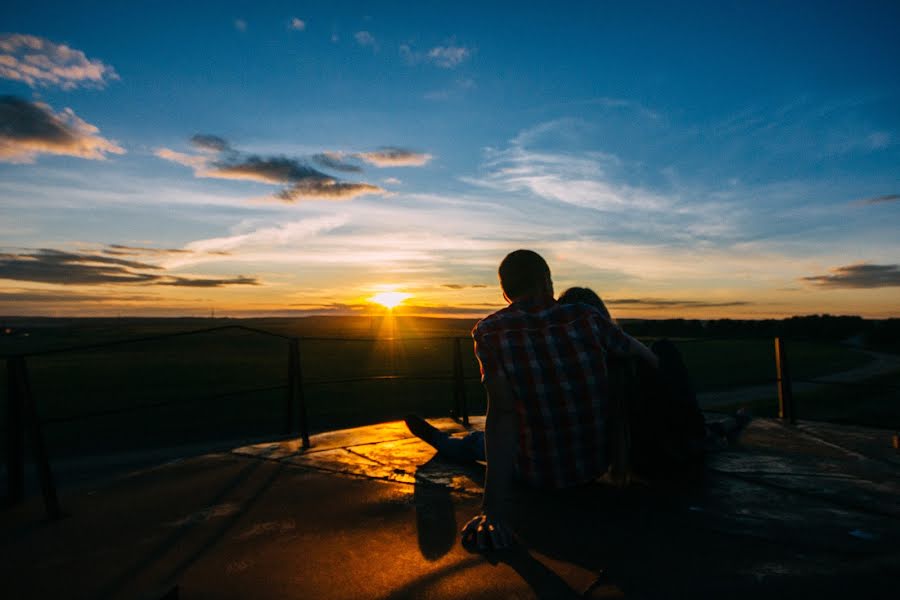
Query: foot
(423, 430)
(741, 420)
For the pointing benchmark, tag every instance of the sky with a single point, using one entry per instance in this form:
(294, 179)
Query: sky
(696, 160)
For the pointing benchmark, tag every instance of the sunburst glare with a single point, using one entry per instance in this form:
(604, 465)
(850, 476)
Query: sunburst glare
(389, 300)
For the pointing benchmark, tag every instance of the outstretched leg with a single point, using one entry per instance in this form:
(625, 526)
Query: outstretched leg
(469, 448)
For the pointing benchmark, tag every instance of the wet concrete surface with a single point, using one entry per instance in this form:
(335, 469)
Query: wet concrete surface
(807, 511)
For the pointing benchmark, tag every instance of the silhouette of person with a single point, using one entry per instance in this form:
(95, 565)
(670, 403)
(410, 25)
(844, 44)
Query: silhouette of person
(543, 368)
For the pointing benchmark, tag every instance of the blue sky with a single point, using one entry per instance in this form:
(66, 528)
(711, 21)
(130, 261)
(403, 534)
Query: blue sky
(716, 159)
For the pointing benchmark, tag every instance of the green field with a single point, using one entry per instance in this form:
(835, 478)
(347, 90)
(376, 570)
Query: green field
(213, 381)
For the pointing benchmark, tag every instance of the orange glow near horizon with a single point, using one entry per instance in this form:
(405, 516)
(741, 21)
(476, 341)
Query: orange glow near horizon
(389, 300)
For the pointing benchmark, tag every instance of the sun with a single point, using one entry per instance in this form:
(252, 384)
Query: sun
(389, 299)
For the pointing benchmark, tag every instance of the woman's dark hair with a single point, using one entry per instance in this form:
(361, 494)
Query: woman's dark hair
(574, 295)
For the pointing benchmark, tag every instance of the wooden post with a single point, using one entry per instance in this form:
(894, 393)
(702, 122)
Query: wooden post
(15, 451)
(461, 409)
(299, 394)
(786, 408)
(289, 392)
(28, 419)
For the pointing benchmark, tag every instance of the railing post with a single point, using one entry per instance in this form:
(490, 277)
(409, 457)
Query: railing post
(786, 408)
(33, 423)
(297, 387)
(289, 392)
(15, 451)
(460, 406)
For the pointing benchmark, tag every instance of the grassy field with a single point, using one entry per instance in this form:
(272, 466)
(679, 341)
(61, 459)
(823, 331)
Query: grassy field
(213, 380)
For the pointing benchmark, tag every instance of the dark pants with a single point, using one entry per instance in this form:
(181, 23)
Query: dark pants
(667, 427)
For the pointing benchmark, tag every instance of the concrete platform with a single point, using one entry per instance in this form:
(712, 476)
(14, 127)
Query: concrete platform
(811, 511)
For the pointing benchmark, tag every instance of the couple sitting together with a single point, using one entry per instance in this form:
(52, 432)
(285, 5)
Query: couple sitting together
(544, 368)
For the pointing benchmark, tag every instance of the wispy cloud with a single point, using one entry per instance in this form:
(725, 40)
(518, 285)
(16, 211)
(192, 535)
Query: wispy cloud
(663, 303)
(31, 128)
(208, 282)
(390, 156)
(122, 250)
(48, 265)
(210, 143)
(448, 57)
(31, 296)
(445, 57)
(335, 161)
(240, 25)
(859, 276)
(878, 199)
(38, 62)
(365, 39)
(463, 286)
(297, 24)
(299, 180)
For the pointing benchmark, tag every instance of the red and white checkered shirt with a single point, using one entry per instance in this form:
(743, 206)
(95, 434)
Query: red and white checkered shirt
(554, 358)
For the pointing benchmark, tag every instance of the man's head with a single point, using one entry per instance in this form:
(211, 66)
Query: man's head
(524, 273)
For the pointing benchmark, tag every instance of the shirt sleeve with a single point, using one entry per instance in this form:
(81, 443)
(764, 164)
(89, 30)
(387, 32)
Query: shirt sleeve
(488, 357)
(611, 336)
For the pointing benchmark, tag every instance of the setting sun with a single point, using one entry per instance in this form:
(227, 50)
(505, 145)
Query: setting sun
(389, 299)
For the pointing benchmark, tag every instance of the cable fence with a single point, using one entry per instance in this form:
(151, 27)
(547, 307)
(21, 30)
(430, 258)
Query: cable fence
(240, 380)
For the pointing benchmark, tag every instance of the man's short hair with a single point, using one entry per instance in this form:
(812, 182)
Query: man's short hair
(522, 271)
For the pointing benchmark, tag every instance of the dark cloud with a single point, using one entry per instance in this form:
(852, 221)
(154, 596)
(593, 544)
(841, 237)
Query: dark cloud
(301, 181)
(53, 296)
(671, 303)
(208, 283)
(859, 276)
(390, 156)
(878, 199)
(335, 161)
(462, 286)
(31, 128)
(71, 268)
(120, 250)
(55, 266)
(213, 143)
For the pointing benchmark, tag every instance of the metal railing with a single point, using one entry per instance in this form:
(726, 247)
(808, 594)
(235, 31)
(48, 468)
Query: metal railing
(23, 416)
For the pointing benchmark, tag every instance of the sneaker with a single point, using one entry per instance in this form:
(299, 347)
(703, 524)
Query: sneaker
(423, 430)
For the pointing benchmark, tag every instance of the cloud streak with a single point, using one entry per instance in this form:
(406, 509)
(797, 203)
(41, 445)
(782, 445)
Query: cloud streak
(858, 276)
(38, 62)
(664, 303)
(365, 39)
(391, 156)
(48, 265)
(335, 161)
(445, 57)
(878, 199)
(299, 181)
(31, 128)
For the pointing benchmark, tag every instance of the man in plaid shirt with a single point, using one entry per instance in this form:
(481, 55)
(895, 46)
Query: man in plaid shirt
(543, 365)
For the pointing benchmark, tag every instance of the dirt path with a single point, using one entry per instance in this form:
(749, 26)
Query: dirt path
(881, 363)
